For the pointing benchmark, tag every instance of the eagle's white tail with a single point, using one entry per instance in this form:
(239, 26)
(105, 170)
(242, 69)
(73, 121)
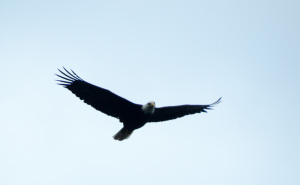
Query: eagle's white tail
(124, 133)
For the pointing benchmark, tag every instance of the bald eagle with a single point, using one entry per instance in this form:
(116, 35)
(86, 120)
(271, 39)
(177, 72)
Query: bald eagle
(133, 116)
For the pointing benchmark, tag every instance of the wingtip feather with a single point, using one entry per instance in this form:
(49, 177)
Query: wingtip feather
(68, 76)
(217, 102)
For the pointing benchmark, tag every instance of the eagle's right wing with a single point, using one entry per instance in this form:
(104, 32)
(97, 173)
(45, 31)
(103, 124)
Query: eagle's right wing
(173, 112)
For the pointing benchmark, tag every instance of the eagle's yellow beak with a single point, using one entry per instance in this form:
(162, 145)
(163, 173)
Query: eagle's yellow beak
(152, 104)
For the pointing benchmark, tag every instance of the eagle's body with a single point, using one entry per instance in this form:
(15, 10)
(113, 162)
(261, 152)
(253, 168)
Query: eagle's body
(133, 116)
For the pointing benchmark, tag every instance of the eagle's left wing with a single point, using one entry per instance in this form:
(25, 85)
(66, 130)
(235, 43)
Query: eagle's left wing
(99, 98)
(173, 112)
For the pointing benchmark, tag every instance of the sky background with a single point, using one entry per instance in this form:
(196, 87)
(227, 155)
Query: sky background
(171, 52)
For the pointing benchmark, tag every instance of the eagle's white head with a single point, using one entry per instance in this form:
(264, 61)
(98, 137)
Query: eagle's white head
(149, 107)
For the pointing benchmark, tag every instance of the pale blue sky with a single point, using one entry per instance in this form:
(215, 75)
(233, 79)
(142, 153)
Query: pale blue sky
(171, 52)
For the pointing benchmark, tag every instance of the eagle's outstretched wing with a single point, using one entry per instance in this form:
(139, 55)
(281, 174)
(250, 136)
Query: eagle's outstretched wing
(99, 98)
(173, 112)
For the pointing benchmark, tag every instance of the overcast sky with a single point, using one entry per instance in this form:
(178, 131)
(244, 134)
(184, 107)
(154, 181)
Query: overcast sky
(170, 52)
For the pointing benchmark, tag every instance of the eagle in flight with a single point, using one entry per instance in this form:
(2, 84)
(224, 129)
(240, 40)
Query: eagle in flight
(133, 116)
